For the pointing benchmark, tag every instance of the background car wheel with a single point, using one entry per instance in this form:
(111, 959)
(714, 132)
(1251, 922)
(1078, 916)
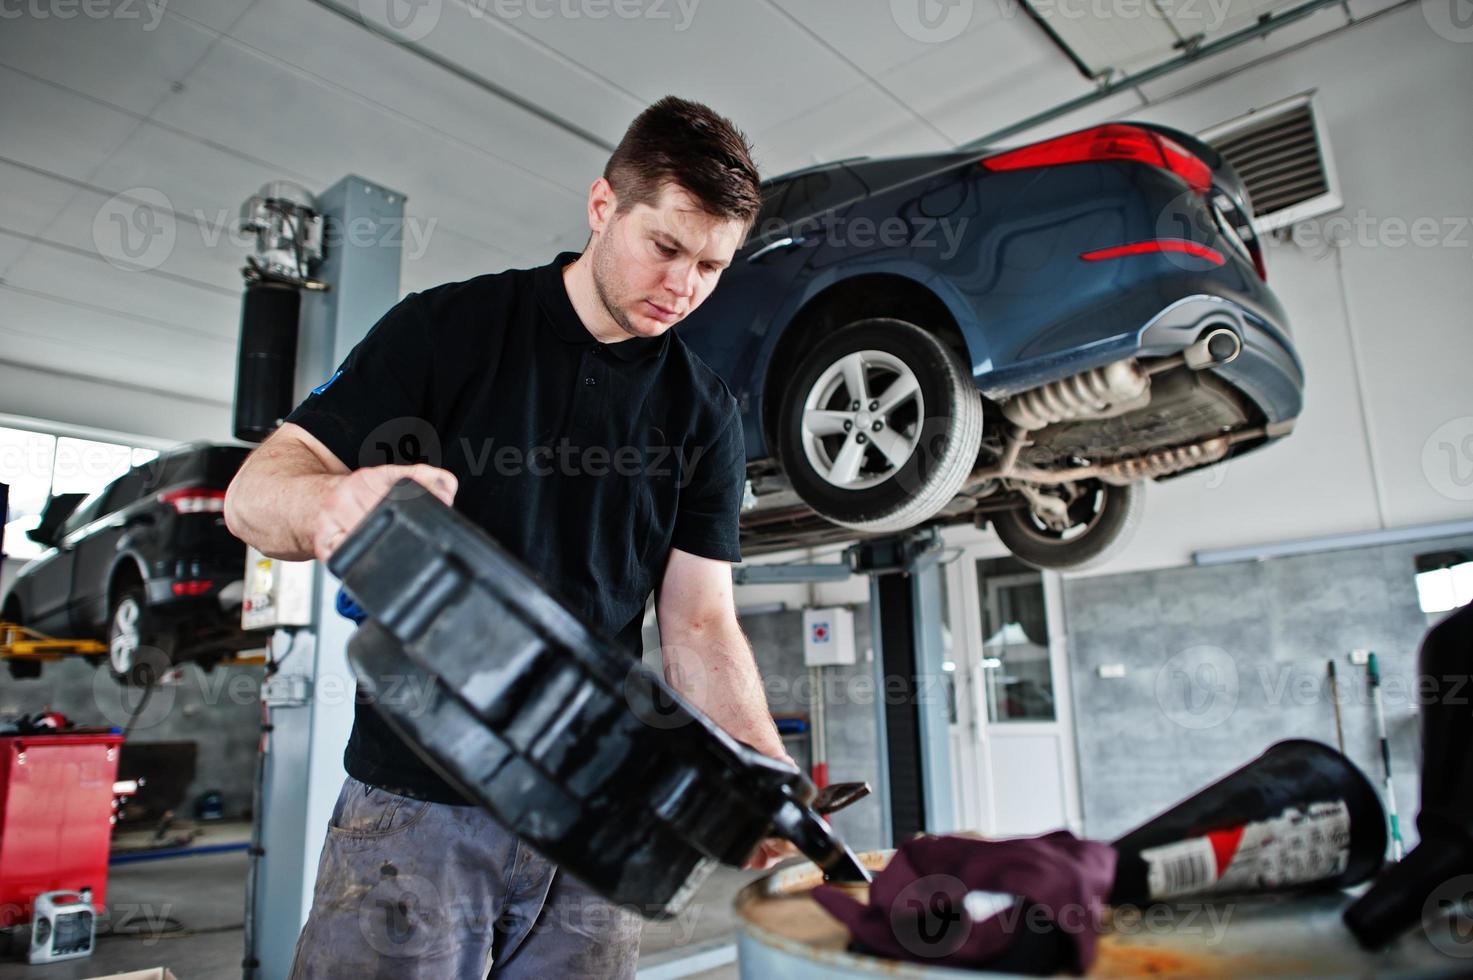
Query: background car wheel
(880, 426)
(129, 636)
(1102, 514)
(24, 670)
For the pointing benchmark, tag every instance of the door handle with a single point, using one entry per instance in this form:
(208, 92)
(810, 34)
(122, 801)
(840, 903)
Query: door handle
(770, 247)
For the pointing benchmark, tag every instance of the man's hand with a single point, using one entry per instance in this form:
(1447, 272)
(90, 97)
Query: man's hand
(770, 852)
(349, 498)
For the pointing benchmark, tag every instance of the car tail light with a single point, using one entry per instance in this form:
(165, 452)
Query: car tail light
(1115, 141)
(194, 500)
(1156, 245)
(195, 587)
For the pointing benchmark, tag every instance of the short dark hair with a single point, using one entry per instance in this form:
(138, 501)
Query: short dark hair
(686, 143)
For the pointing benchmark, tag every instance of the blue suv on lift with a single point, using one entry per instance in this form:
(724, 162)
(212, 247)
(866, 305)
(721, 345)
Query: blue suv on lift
(1016, 337)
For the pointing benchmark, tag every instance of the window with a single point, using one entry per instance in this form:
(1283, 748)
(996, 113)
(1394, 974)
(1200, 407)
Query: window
(1015, 645)
(38, 465)
(805, 195)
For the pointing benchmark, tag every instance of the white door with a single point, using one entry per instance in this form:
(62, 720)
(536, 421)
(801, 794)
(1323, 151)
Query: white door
(1012, 733)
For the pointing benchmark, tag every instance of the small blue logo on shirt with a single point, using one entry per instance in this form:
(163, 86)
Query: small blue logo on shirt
(328, 383)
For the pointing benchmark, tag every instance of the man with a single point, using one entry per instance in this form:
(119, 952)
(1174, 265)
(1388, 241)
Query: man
(556, 409)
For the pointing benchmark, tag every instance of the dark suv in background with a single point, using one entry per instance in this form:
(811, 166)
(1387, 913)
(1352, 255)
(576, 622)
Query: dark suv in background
(144, 562)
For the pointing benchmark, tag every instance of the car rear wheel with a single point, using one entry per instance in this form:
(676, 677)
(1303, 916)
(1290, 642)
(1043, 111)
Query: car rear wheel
(879, 426)
(1094, 526)
(129, 637)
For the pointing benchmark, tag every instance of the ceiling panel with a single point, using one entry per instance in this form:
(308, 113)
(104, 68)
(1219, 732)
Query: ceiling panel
(221, 96)
(49, 332)
(29, 200)
(389, 78)
(748, 60)
(327, 132)
(56, 131)
(1123, 38)
(129, 60)
(499, 53)
(175, 308)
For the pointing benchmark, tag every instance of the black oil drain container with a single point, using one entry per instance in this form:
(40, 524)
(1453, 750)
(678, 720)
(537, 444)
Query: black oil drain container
(581, 751)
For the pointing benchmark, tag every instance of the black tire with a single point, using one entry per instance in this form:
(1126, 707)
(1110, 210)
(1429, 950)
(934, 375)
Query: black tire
(24, 670)
(932, 440)
(1104, 515)
(140, 665)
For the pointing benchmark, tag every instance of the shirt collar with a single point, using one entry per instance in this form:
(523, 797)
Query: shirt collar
(552, 293)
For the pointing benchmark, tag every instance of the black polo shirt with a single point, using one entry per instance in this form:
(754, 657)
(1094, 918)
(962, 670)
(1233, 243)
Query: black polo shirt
(587, 461)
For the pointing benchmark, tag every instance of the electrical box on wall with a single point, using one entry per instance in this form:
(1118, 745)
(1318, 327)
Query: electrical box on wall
(828, 637)
(277, 593)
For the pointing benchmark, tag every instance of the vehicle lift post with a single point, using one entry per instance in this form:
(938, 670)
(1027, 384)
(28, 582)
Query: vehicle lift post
(915, 790)
(304, 771)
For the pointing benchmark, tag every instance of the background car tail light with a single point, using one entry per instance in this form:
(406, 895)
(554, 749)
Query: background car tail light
(195, 500)
(1111, 142)
(196, 587)
(1156, 245)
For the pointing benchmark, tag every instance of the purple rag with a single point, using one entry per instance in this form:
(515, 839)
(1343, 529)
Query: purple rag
(959, 901)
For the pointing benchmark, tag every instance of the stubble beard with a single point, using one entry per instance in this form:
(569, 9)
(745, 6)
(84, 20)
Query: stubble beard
(605, 281)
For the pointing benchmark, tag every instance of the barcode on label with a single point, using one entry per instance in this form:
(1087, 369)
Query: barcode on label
(1294, 848)
(1181, 868)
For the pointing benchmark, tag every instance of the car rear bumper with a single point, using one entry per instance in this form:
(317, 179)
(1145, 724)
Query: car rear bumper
(1267, 371)
(206, 622)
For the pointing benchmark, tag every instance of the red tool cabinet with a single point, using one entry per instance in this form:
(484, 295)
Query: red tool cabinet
(56, 794)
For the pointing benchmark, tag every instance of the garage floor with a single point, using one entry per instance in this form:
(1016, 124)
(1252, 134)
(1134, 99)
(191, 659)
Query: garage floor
(206, 893)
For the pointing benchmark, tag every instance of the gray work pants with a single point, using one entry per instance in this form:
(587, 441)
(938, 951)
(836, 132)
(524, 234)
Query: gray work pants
(410, 889)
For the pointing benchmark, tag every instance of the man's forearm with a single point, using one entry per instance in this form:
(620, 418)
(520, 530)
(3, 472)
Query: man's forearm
(272, 500)
(714, 668)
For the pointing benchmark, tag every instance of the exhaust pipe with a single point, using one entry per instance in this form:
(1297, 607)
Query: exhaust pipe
(1096, 393)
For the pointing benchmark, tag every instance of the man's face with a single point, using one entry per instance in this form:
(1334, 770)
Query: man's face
(653, 265)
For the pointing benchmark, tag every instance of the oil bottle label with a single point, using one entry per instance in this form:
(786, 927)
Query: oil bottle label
(1295, 848)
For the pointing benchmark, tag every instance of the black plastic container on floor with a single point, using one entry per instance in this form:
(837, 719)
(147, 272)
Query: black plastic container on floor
(1299, 816)
(1443, 861)
(581, 751)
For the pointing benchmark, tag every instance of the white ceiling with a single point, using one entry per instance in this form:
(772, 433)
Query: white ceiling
(189, 108)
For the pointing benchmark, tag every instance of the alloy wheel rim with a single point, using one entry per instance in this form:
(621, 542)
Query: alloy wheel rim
(125, 639)
(862, 419)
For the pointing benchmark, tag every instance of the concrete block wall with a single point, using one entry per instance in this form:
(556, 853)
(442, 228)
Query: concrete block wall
(1222, 661)
(219, 711)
